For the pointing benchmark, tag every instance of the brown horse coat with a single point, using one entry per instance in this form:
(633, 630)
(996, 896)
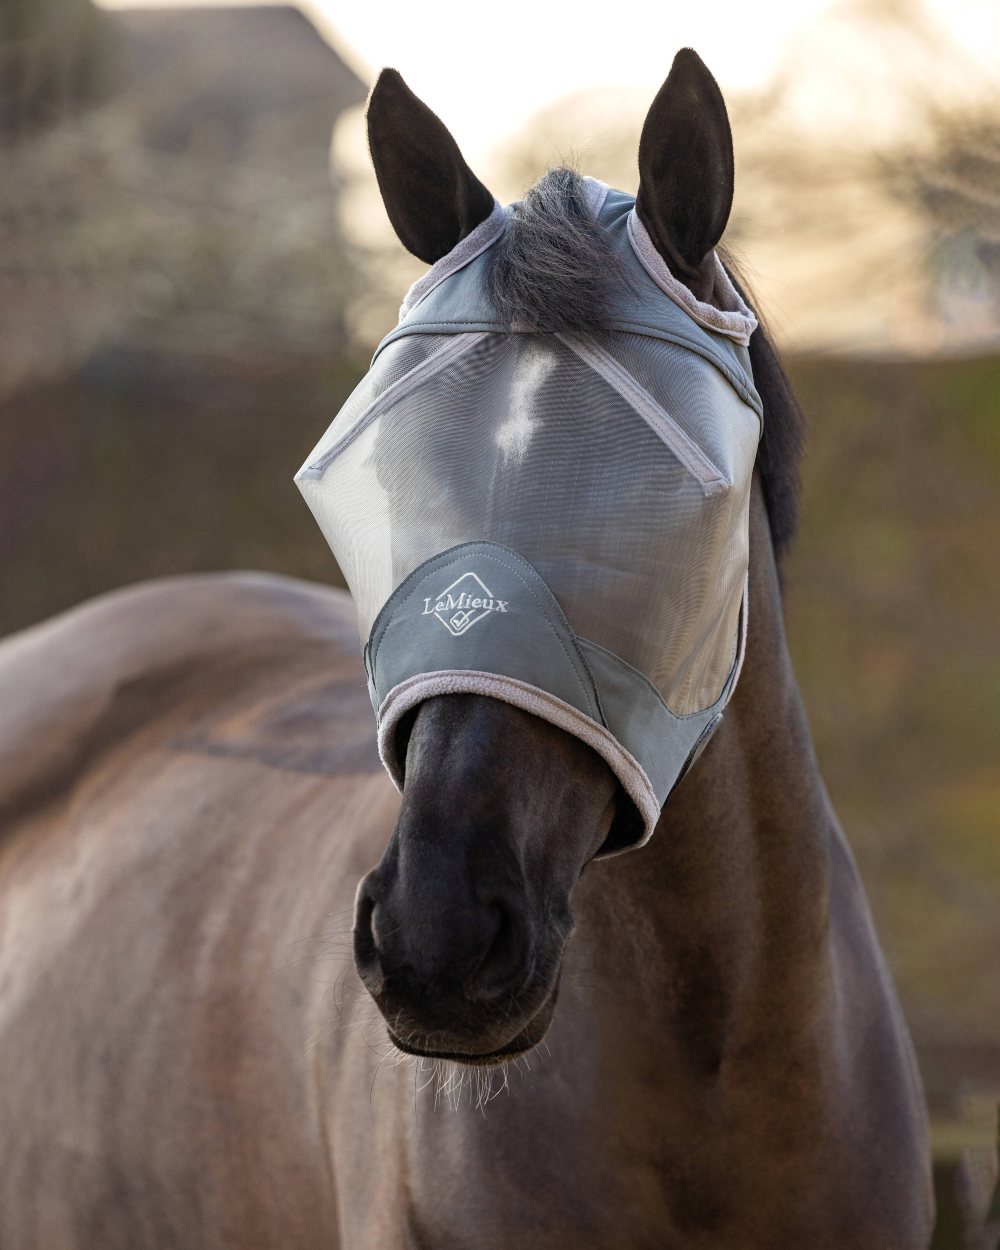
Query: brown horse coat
(189, 794)
(189, 790)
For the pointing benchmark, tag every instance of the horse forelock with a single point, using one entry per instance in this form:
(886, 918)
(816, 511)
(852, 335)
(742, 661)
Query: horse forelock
(553, 268)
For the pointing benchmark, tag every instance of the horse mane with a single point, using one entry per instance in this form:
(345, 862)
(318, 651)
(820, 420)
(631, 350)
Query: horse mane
(555, 270)
(779, 455)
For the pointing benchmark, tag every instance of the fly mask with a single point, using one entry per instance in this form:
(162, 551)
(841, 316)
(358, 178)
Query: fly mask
(559, 521)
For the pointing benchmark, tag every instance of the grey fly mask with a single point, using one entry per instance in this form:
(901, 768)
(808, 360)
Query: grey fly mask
(559, 521)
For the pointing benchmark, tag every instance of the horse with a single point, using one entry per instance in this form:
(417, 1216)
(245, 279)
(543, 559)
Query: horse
(706, 1050)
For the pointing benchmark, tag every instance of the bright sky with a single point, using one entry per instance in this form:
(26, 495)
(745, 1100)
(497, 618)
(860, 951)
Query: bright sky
(487, 68)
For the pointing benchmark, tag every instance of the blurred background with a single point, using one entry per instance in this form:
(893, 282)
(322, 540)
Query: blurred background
(195, 265)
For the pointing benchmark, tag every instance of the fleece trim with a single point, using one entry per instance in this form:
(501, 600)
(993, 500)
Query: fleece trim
(408, 694)
(734, 319)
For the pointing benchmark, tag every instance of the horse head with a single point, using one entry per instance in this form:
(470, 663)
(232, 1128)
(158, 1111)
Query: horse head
(461, 929)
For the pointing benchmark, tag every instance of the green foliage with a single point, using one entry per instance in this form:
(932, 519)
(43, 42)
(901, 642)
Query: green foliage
(893, 602)
(152, 462)
(952, 179)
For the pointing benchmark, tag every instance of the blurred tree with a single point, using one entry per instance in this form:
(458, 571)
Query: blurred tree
(945, 168)
(952, 179)
(194, 206)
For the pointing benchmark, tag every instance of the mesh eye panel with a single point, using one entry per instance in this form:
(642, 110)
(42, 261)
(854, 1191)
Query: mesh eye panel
(699, 399)
(514, 439)
(395, 363)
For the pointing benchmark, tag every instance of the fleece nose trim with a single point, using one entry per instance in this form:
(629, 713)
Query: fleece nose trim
(415, 690)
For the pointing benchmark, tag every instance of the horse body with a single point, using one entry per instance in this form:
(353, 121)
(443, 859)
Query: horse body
(191, 801)
(169, 781)
(190, 797)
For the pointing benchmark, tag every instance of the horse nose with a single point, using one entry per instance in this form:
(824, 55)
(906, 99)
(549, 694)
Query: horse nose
(411, 944)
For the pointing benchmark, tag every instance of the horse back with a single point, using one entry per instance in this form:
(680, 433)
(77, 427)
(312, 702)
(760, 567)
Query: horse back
(189, 791)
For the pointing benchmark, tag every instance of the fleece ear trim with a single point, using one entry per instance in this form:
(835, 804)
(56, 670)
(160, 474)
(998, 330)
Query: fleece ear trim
(734, 319)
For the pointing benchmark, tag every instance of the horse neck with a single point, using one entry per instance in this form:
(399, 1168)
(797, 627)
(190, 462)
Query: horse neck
(729, 900)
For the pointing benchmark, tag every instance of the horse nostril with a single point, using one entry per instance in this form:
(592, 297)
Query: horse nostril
(490, 935)
(366, 956)
(501, 961)
(473, 951)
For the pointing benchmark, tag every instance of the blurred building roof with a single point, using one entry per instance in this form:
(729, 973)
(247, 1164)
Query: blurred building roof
(256, 84)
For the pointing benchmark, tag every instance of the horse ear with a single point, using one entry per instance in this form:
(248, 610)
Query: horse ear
(686, 167)
(432, 197)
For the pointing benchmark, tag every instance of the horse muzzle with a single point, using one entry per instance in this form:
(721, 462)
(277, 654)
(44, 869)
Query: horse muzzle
(455, 977)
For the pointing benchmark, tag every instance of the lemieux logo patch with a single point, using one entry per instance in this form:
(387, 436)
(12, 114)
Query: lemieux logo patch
(466, 602)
